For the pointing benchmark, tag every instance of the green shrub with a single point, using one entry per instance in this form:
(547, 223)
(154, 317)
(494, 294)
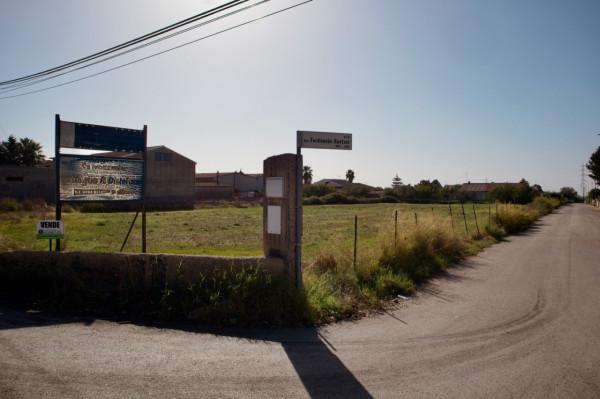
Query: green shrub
(335, 198)
(515, 219)
(312, 201)
(9, 205)
(317, 190)
(545, 205)
(388, 199)
(333, 295)
(247, 295)
(92, 207)
(495, 231)
(323, 263)
(425, 251)
(388, 284)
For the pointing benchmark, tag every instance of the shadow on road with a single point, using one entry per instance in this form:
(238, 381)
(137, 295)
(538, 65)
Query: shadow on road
(321, 372)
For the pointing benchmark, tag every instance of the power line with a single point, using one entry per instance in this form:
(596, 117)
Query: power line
(160, 52)
(34, 81)
(131, 42)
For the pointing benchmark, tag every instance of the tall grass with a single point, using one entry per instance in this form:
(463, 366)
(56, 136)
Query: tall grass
(336, 290)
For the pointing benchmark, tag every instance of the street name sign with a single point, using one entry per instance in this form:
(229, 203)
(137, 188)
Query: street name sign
(324, 140)
(50, 229)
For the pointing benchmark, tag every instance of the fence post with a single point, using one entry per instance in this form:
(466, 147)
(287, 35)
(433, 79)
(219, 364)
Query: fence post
(451, 218)
(396, 227)
(462, 206)
(489, 213)
(355, 238)
(416, 219)
(476, 224)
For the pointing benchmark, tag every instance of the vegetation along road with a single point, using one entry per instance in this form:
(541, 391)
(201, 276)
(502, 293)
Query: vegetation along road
(519, 320)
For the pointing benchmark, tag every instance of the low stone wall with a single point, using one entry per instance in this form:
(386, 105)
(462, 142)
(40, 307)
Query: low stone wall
(112, 277)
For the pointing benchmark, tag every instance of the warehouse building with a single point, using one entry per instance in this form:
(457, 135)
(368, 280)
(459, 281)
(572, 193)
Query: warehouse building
(228, 185)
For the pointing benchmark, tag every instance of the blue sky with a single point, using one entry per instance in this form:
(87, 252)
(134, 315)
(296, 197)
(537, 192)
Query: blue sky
(453, 90)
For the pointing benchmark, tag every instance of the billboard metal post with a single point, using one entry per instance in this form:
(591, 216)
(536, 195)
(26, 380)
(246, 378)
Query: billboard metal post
(58, 214)
(144, 156)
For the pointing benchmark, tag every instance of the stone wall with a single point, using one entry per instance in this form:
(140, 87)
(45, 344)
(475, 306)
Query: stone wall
(118, 273)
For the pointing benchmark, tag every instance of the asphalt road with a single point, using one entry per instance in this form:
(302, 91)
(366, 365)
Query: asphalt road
(520, 320)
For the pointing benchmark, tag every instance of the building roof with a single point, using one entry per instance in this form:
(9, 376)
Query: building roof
(214, 175)
(137, 155)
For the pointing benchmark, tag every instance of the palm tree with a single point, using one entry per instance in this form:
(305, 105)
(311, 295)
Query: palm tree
(307, 174)
(31, 152)
(350, 175)
(10, 151)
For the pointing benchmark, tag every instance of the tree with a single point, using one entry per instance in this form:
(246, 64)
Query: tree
(396, 181)
(31, 152)
(23, 152)
(350, 175)
(594, 166)
(10, 151)
(568, 194)
(307, 174)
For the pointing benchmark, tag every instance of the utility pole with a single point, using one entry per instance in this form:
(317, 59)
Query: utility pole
(583, 182)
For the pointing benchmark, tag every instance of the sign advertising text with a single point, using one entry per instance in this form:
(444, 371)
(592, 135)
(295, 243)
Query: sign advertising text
(50, 229)
(100, 179)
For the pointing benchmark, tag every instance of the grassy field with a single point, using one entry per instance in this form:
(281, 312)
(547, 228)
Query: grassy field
(236, 231)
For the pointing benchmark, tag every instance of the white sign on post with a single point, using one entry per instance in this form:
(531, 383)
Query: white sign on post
(48, 229)
(274, 219)
(330, 141)
(274, 187)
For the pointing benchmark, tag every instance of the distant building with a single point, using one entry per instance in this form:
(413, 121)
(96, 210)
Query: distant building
(479, 191)
(228, 185)
(169, 180)
(28, 182)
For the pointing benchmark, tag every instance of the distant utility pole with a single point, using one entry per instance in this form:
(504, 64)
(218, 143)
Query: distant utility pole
(583, 181)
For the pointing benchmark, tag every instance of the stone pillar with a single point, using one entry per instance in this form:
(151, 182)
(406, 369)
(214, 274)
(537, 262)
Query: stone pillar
(279, 213)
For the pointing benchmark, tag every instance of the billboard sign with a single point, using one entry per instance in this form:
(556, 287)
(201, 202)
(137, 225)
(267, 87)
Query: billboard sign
(89, 178)
(324, 140)
(97, 137)
(50, 229)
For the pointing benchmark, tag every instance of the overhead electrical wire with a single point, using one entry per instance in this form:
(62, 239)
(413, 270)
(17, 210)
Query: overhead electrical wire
(160, 52)
(131, 42)
(38, 80)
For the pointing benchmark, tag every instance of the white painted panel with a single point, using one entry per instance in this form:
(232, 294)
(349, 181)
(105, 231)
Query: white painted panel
(275, 187)
(274, 219)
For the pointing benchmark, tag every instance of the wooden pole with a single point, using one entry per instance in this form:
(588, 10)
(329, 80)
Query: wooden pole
(476, 224)
(396, 227)
(129, 231)
(416, 219)
(464, 217)
(451, 218)
(355, 238)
